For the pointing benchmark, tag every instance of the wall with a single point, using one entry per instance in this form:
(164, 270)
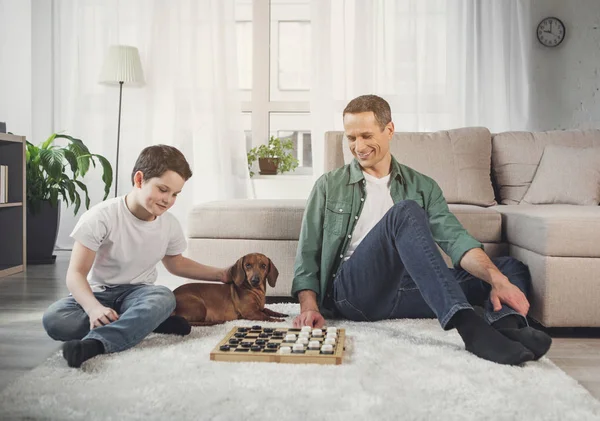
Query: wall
(566, 79)
(26, 68)
(15, 66)
(42, 124)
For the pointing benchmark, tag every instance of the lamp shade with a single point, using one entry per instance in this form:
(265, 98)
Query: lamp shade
(122, 64)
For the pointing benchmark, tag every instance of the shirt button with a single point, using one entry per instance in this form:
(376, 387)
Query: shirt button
(356, 217)
(334, 275)
(362, 199)
(349, 236)
(341, 256)
(341, 210)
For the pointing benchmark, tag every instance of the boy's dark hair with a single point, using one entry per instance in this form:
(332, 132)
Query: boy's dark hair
(365, 103)
(155, 160)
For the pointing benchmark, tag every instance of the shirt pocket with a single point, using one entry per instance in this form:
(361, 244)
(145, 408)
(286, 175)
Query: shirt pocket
(337, 217)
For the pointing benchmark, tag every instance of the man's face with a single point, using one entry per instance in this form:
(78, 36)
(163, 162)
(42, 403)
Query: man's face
(367, 142)
(158, 194)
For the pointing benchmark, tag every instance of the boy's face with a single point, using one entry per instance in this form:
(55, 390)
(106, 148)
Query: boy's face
(158, 194)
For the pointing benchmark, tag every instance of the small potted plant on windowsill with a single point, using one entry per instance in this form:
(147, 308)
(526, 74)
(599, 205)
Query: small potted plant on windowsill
(274, 157)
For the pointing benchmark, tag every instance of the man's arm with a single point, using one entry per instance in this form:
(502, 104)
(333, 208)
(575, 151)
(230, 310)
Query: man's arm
(446, 229)
(466, 252)
(306, 284)
(188, 268)
(478, 264)
(82, 259)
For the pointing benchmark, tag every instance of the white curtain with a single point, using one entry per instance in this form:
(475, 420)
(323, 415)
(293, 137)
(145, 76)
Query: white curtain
(190, 99)
(440, 64)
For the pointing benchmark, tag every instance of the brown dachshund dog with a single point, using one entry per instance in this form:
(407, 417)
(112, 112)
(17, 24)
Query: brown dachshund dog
(243, 296)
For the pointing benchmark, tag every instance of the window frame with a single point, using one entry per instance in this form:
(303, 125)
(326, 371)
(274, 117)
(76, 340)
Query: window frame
(261, 106)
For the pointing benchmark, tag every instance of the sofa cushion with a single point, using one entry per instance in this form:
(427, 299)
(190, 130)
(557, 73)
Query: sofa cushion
(516, 155)
(566, 175)
(247, 218)
(282, 220)
(485, 224)
(458, 160)
(553, 230)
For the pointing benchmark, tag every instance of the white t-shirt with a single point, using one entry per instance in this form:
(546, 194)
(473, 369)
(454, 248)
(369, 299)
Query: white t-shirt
(127, 248)
(377, 203)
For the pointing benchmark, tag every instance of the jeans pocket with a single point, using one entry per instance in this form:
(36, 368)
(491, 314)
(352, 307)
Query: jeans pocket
(350, 312)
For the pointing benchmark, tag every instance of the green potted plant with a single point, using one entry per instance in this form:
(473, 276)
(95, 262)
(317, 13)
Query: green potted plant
(274, 157)
(53, 172)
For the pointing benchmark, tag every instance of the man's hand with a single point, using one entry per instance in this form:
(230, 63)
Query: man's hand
(309, 318)
(509, 294)
(101, 316)
(309, 310)
(478, 264)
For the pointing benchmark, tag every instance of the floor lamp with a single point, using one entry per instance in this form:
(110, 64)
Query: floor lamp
(121, 66)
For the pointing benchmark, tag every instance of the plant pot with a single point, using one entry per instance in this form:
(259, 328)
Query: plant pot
(268, 166)
(42, 231)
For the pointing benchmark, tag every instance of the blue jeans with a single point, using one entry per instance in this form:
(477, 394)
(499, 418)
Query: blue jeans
(141, 309)
(398, 272)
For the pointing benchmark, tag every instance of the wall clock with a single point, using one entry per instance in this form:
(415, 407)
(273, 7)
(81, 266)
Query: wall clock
(551, 32)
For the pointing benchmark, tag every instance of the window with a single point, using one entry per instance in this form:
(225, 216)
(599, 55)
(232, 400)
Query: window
(274, 53)
(294, 126)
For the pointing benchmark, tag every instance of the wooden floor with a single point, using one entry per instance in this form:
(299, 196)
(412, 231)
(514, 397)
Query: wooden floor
(24, 344)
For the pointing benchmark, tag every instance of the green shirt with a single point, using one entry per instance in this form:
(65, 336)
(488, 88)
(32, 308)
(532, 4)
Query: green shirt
(334, 206)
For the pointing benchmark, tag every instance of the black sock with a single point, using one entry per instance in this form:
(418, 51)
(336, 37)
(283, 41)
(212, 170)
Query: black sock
(484, 341)
(76, 351)
(513, 328)
(512, 321)
(176, 325)
(534, 340)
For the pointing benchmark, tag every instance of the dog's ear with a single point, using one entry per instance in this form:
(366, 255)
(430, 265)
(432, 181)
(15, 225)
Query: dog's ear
(273, 274)
(236, 273)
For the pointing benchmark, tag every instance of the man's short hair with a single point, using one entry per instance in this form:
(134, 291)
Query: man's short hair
(365, 103)
(155, 160)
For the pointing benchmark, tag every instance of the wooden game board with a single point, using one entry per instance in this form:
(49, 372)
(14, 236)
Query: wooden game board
(272, 354)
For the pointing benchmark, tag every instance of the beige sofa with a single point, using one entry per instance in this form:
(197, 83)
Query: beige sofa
(484, 178)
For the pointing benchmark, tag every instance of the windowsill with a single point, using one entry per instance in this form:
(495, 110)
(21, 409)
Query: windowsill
(282, 186)
(280, 177)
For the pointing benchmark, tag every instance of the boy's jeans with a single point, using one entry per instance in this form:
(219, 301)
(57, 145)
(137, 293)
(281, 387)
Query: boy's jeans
(398, 272)
(141, 308)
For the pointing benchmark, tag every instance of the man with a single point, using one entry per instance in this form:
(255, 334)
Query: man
(367, 251)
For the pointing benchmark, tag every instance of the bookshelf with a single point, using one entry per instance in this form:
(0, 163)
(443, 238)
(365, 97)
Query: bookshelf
(13, 213)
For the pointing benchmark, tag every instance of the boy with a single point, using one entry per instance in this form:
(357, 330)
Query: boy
(114, 303)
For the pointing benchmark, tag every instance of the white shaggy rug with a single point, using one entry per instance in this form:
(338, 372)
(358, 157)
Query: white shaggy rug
(402, 369)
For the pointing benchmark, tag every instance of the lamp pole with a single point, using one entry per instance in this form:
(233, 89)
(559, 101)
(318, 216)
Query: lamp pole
(118, 138)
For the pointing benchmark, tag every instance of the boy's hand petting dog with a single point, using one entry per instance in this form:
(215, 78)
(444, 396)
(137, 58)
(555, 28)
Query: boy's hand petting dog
(101, 316)
(224, 276)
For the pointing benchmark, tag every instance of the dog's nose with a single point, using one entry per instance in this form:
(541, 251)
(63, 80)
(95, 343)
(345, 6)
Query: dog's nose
(255, 280)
